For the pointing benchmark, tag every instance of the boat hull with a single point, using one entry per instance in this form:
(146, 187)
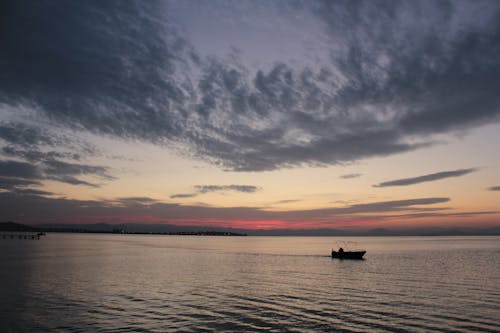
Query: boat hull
(348, 254)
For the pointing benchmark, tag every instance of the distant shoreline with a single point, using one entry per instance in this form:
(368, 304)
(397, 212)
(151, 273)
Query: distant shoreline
(172, 230)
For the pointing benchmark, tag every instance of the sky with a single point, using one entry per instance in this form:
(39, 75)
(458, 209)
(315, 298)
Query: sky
(251, 114)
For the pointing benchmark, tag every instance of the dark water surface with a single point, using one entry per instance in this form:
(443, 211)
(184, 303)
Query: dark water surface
(127, 283)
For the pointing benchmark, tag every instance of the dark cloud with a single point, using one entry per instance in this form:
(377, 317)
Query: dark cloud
(42, 153)
(23, 173)
(36, 144)
(426, 178)
(269, 123)
(24, 135)
(67, 172)
(101, 66)
(59, 168)
(494, 188)
(30, 192)
(351, 175)
(21, 186)
(34, 155)
(72, 180)
(398, 73)
(8, 183)
(17, 169)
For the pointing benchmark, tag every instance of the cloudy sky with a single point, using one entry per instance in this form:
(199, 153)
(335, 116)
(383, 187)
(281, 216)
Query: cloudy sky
(251, 114)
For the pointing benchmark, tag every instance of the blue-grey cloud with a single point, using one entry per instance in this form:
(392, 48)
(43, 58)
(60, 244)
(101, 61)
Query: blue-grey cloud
(44, 155)
(36, 155)
(494, 188)
(54, 167)
(24, 173)
(14, 183)
(397, 73)
(17, 169)
(29, 192)
(24, 135)
(67, 172)
(101, 66)
(8, 183)
(36, 143)
(426, 178)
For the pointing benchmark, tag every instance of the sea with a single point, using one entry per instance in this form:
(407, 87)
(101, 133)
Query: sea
(154, 283)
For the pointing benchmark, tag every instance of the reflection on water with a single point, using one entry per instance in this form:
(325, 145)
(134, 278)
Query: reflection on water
(78, 282)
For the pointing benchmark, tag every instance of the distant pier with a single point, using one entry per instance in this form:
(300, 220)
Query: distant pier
(21, 235)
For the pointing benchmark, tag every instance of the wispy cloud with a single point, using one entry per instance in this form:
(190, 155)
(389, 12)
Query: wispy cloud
(202, 189)
(131, 201)
(8, 183)
(18, 172)
(436, 215)
(351, 175)
(426, 178)
(286, 201)
(225, 188)
(24, 135)
(183, 195)
(41, 154)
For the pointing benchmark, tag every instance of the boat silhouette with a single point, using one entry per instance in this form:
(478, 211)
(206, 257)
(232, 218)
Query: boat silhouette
(341, 254)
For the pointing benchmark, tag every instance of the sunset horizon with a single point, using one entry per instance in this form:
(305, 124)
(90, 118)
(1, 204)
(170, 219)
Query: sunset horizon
(252, 115)
(249, 166)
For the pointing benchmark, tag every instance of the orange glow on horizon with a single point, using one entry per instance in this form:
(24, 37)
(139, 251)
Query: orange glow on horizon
(358, 223)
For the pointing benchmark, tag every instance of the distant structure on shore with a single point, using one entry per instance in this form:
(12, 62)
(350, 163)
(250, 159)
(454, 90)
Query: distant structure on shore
(11, 227)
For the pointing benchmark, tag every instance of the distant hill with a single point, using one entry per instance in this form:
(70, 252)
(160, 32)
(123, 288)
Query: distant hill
(12, 226)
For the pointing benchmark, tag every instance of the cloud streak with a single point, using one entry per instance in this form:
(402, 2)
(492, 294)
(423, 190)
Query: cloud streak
(43, 209)
(225, 188)
(426, 178)
(202, 189)
(15, 172)
(351, 175)
(44, 155)
(183, 195)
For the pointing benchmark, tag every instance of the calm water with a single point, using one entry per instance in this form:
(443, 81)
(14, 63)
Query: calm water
(110, 283)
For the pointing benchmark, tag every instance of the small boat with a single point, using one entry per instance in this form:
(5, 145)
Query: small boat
(341, 254)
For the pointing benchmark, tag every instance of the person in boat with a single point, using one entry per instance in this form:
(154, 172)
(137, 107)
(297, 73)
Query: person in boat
(341, 250)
